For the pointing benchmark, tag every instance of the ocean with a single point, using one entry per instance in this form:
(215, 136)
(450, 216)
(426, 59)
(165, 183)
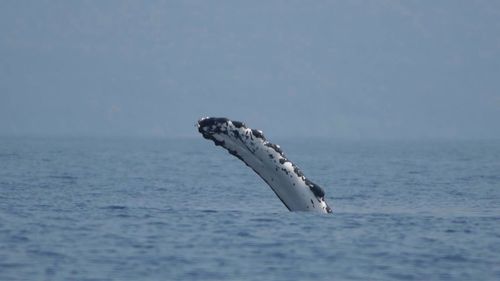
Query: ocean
(183, 209)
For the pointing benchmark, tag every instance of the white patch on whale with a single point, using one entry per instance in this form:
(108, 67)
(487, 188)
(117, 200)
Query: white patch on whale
(286, 180)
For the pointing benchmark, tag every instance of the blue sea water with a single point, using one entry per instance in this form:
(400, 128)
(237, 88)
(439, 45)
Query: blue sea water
(183, 209)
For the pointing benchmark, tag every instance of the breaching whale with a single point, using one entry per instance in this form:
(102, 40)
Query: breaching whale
(267, 160)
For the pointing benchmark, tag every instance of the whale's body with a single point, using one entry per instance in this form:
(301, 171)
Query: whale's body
(286, 180)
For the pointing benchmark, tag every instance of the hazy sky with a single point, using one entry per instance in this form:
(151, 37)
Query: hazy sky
(341, 69)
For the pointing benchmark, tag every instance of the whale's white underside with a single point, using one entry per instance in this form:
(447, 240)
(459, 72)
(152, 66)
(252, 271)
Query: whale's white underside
(295, 191)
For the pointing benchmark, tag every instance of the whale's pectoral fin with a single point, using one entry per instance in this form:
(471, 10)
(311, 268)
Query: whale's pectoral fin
(267, 160)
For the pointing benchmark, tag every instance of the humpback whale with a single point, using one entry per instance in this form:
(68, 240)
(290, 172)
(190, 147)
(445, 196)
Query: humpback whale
(267, 160)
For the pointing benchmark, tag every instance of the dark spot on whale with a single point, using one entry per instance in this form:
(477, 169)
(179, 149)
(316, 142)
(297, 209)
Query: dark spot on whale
(258, 134)
(212, 121)
(274, 147)
(218, 142)
(238, 124)
(271, 156)
(209, 136)
(297, 171)
(312, 202)
(282, 161)
(316, 189)
(235, 153)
